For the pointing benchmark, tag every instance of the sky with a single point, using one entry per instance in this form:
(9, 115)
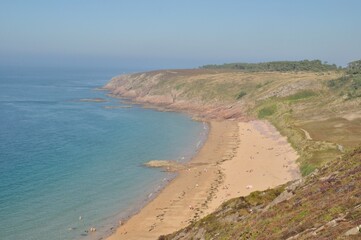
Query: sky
(177, 33)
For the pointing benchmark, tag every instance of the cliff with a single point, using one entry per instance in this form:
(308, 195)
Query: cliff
(220, 94)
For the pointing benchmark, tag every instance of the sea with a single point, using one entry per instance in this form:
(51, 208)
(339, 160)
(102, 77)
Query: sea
(69, 163)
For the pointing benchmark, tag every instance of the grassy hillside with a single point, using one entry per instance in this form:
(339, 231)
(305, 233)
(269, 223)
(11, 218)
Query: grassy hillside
(221, 86)
(324, 205)
(320, 123)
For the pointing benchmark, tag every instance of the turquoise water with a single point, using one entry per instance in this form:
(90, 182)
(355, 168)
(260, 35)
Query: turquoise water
(61, 158)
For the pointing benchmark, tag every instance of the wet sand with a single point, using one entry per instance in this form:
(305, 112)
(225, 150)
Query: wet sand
(236, 159)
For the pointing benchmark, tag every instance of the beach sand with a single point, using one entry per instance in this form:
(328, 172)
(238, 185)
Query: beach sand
(237, 159)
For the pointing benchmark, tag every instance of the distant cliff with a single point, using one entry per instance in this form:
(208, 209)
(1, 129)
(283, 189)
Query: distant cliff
(210, 93)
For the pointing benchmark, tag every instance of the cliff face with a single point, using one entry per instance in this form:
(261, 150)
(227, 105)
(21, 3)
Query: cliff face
(165, 90)
(222, 94)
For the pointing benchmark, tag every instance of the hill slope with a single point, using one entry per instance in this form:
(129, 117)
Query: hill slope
(319, 112)
(324, 205)
(214, 93)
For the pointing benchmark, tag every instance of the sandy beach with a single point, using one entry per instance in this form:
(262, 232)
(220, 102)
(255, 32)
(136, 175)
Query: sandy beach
(236, 159)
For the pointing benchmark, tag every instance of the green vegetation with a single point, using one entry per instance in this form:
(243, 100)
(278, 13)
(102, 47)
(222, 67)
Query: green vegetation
(267, 111)
(354, 67)
(280, 66)
(301, 95)
(307, 168)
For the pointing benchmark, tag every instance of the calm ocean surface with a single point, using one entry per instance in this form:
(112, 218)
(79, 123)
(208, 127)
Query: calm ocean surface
(61, 158)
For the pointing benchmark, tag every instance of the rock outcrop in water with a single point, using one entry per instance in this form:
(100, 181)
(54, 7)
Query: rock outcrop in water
(167, 165)
(99, 100)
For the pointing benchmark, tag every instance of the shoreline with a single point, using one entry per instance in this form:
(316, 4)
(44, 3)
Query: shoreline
(170, 193)
(123, 217)
(236, 159)
(195, 112)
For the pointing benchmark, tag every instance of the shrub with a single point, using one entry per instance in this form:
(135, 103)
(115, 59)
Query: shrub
(241, 94)
(267, 111)
(301, 95)
(354, 67)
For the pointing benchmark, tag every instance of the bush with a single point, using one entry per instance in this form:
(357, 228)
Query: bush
(240, 95)
(267, 111)
(354, 67)
(339, 82)
(307, 168)
(301, 95)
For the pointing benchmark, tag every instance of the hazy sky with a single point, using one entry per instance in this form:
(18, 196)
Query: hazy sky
(177, 33)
